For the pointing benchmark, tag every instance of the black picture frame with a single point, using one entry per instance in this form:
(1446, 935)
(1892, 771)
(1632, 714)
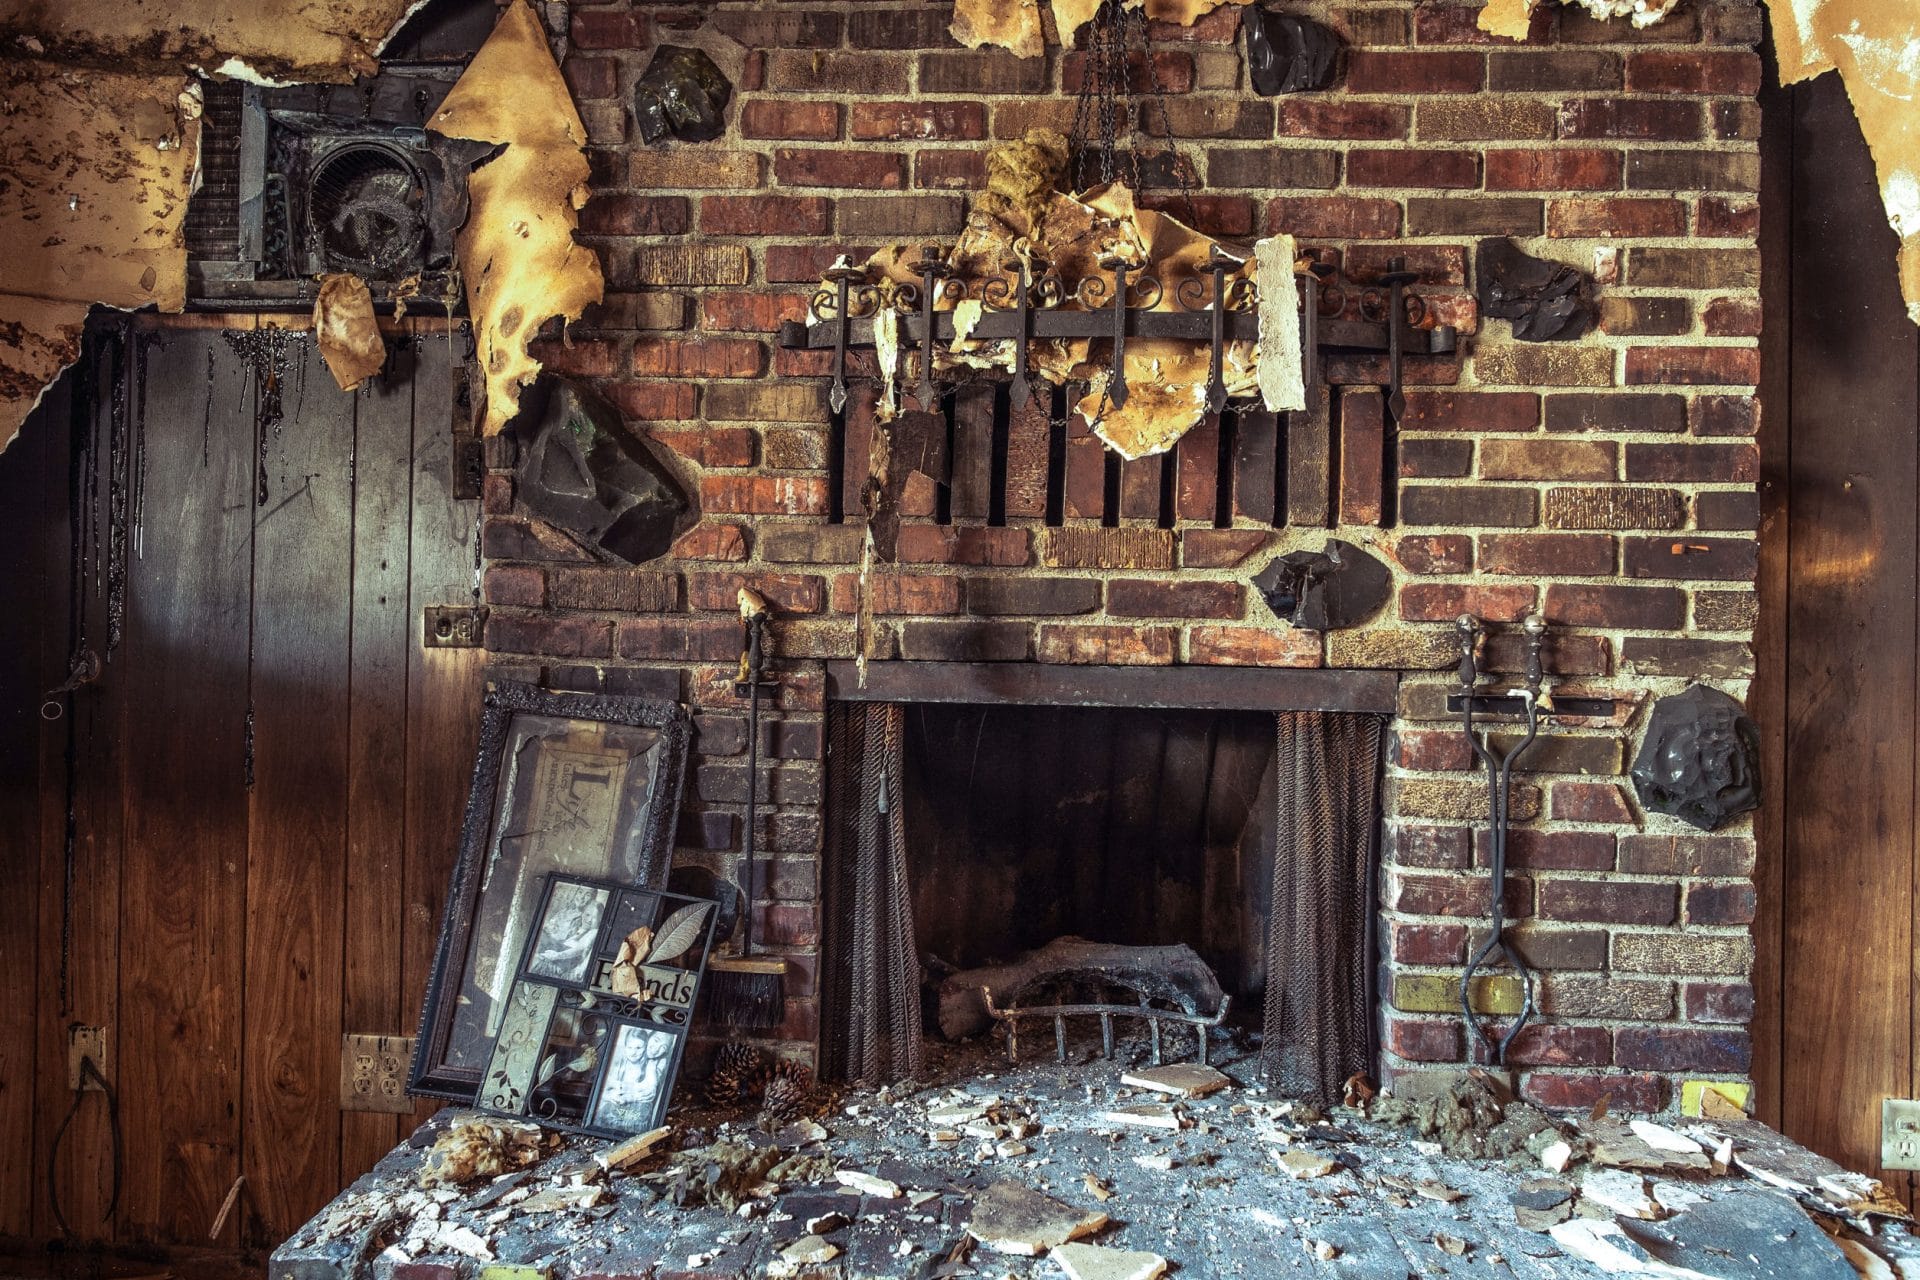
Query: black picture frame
(546, 746)
(601, 1006)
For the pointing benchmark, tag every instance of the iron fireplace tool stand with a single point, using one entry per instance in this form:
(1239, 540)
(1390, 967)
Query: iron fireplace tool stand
(749, 991)
(1499, 774)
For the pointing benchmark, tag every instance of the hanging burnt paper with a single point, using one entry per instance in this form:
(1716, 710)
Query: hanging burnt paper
(581, 469)
(1700, 761)
(1546, 301)
(580, 784)
(681, 94)
(1288, 54)
(1341, 586)
(346, 330)
(517, 253)
(597, 1020)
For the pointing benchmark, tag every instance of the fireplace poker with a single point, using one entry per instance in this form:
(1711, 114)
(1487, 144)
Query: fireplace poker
(749, 991)
(1499, 775)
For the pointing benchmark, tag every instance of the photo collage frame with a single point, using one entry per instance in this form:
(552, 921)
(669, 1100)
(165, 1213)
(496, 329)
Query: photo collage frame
(597, 1017)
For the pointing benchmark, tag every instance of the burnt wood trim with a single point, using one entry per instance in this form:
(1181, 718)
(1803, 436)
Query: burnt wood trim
(1202, 688)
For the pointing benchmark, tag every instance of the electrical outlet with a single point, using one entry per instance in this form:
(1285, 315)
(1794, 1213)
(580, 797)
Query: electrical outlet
(373, 1073)
(1899, 1133)
(86, 1042)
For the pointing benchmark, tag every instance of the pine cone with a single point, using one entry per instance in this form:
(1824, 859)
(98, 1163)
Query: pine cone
(738, 1070)
(789, 1085)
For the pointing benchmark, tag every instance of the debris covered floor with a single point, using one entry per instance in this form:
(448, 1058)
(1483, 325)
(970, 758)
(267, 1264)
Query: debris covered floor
(986, 1169)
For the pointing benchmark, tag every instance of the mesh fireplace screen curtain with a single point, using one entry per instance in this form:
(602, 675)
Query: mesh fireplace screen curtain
(1319, 944)
(871, 994)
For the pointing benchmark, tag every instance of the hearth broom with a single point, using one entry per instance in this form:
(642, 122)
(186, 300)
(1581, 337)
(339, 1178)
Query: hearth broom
(746, 991)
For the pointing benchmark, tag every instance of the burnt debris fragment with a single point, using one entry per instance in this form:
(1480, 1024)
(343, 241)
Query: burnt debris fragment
(1341, 586)
(1289, 54)
(1700, 761)
(581, 469)
(1545, 301)
(681, 94)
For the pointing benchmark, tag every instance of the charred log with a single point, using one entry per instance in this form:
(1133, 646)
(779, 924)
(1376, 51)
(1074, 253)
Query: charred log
(1172, 974)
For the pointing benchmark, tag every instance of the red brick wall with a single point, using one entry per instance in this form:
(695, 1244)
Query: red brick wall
(1608, 482)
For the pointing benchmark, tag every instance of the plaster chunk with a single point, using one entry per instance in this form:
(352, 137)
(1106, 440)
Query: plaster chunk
(346, 331)
(1279, 366)
(1015, 1219)
(1096, 1262)
(517, 252)
(1010, 24)
(1181, 1079)
(1071, 15)
(1513, 18)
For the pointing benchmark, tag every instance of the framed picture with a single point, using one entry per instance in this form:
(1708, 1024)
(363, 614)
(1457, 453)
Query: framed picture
(585, 785)
(594, 1026)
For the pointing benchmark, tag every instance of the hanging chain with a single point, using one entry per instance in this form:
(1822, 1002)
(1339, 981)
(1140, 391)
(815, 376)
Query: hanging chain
(1118, 34)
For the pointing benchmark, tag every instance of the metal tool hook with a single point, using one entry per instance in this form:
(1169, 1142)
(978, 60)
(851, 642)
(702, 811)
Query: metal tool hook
(85, 670)
(1499, 776)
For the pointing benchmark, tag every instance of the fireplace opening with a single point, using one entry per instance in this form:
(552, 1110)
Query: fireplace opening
(1126, 825)
(966, 837)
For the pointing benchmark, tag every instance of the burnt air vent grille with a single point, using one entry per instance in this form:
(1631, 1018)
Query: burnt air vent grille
(366, 209)
(213, 215)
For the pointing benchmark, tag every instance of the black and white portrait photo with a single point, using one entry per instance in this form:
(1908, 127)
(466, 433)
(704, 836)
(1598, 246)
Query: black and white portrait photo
(563, 949)
(639, 1075)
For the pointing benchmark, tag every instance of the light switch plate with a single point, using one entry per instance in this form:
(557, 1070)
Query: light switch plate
(373, 1073)
(1900, 1133)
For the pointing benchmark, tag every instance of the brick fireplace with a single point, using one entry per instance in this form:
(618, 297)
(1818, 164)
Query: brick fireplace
(1608, 483)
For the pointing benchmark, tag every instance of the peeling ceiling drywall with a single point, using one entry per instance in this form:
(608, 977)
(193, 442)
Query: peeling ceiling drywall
(1875, 46)
(95, 171)
(100, 146)
(517, 253)
(1016, 24)
(276, 40)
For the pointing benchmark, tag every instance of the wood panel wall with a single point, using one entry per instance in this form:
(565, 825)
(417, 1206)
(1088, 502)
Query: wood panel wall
(266, 781)
(1837, 694)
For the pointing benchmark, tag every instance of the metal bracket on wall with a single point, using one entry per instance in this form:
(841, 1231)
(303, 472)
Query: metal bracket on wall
(453, 626)
(1513, 704)
(469, 467)
(86, 1042)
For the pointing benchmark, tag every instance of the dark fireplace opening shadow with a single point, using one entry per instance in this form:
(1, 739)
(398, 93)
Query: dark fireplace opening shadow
(1129, 825)
(959, 835)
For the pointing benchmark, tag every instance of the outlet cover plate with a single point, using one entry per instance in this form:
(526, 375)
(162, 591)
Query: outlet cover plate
(86, 1042)
(373, 1073)
(1900, 1133)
